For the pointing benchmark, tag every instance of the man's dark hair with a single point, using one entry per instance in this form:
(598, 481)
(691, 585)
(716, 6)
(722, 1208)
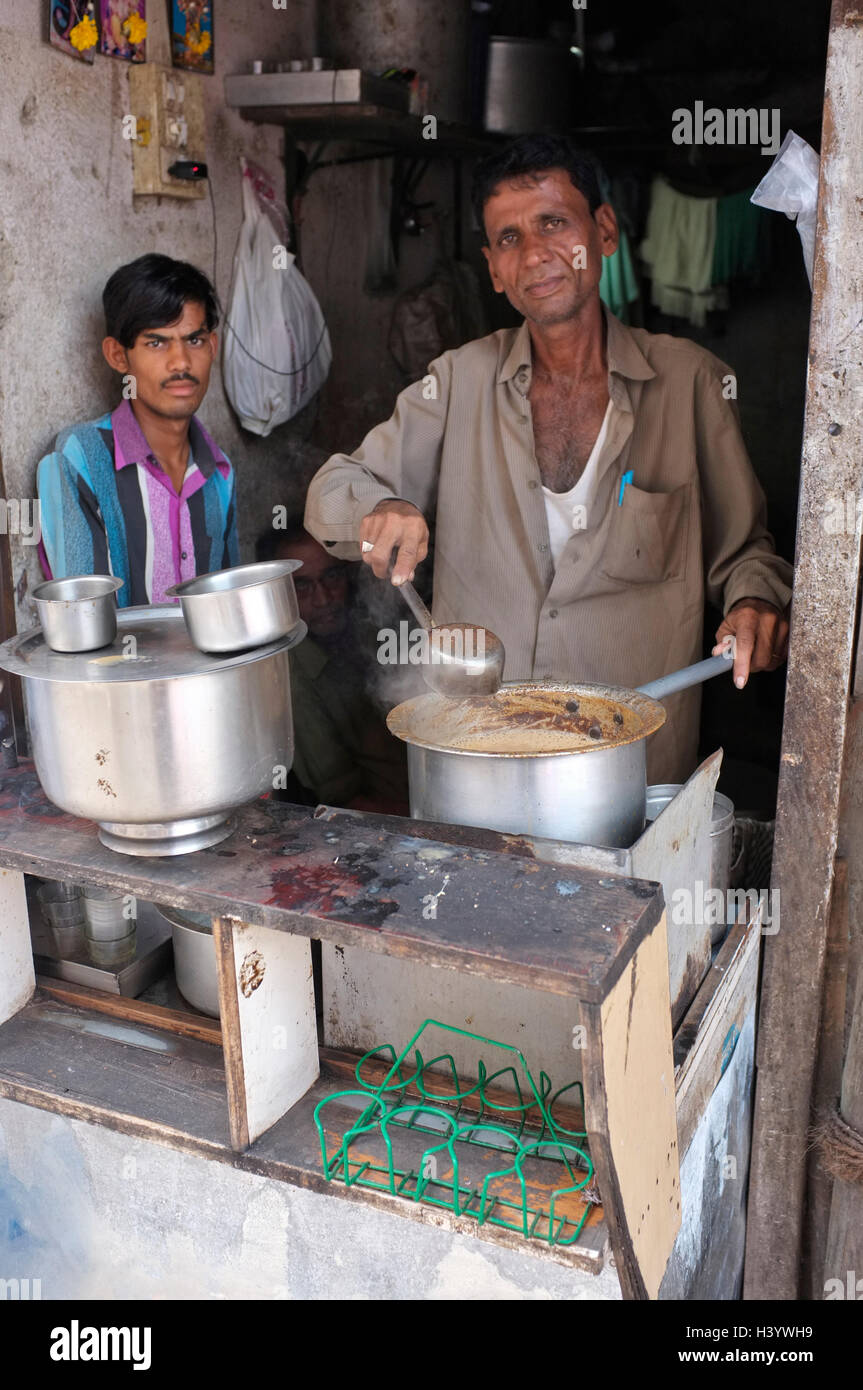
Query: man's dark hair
(533, 155)
(150, 293)
(270, 542)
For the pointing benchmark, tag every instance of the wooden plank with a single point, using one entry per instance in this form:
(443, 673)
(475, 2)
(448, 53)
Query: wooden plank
(229, 1011)
(361, 880)
(151, 1082)
(631, 1119)
(17, 978)
(705, 1041)
(827, 1085)
(842, 1243)
(819, 674)
(267, 1000)
(135, 1010)
(844, 1246)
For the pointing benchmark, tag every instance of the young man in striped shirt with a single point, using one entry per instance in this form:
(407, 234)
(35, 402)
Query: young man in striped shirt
(143, 493)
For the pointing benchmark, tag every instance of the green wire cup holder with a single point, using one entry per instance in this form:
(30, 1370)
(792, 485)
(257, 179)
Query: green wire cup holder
(526, 1167)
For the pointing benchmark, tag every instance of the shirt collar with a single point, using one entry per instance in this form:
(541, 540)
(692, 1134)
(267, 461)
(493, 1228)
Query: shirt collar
(130, 444)
(625, 357)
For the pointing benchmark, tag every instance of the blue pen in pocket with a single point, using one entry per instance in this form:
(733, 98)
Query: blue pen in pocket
(627, 478)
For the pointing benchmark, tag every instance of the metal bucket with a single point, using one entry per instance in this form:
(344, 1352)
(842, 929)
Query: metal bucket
(721, 838)
(194, 958)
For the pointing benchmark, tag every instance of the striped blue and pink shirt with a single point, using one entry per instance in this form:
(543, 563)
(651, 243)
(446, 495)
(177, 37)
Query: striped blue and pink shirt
(106, 507)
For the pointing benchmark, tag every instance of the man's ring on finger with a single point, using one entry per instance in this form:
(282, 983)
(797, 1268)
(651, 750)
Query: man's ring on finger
(366, 547)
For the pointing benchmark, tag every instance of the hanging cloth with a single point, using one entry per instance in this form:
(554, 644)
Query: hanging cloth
(679, 248)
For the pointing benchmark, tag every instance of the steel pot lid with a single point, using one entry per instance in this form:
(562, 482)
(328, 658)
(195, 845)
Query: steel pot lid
(162, 650)
(528, 720)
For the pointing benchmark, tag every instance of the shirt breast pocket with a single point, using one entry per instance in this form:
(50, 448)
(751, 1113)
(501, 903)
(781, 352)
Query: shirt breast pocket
(647, 537)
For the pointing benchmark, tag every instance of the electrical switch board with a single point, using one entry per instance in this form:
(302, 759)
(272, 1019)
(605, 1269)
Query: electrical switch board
(168, 109)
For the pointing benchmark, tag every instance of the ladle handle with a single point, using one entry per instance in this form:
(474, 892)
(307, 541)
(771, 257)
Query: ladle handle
(688, 676)
(416, 605)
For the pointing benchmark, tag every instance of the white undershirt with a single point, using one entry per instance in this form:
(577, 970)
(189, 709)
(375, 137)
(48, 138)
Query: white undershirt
(560, 507)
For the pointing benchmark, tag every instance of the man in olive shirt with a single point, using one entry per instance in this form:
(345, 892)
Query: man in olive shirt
(343, 753)
(634, 436)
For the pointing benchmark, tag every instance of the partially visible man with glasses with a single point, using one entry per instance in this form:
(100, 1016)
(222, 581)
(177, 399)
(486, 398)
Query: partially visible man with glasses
(344, 754)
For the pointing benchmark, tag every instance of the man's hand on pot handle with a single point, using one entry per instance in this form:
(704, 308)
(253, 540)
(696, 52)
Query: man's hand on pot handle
(761, 630)
(392, 525)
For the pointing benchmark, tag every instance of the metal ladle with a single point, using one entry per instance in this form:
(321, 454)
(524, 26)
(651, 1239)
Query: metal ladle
(463, 659)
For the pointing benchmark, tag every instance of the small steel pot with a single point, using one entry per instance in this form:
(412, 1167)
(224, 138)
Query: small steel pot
(246, 606)
(78, 614)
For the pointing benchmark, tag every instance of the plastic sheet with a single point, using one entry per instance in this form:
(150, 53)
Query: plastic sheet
(791, 186)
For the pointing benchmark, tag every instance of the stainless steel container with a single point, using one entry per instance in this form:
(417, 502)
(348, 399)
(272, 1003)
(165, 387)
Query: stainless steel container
(529, 85)
(235, 609)
(592, 794)
(78, 614)
(721, 838)
(194, 958)
(152, 739)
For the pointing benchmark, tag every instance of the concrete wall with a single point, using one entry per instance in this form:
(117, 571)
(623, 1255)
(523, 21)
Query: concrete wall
(68, 218)
(93, 1214)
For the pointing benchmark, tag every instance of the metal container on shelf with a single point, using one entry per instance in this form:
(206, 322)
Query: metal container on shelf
(151, 738)
(721, 837)
(194, 958)
(593, 795)
(529, 85)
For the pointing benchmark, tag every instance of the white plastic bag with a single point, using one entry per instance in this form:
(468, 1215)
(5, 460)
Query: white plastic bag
(277, 349)
(791, 186)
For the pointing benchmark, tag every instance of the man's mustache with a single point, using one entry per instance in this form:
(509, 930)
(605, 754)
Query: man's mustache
(187, 376)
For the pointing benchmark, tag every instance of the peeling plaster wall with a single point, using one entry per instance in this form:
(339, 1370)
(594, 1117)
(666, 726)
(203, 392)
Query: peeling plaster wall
(68, 219)
(94, 1214)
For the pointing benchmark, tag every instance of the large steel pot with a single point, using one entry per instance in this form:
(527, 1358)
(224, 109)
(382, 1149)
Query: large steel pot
(151, 738)
(581, 774)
